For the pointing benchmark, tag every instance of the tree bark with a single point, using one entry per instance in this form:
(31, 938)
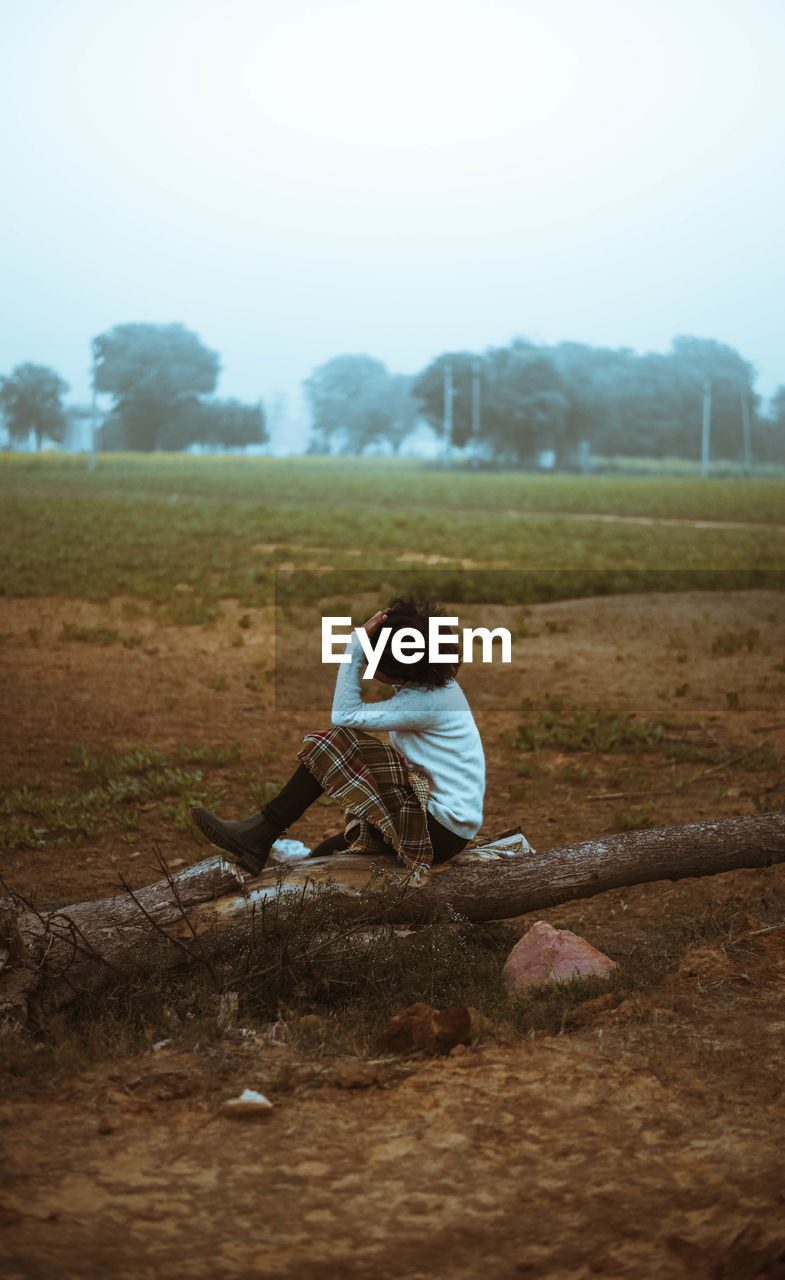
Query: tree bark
(198, 914)
(496, 889)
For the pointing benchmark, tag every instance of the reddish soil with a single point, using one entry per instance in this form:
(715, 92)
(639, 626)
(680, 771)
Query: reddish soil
(642, 1142)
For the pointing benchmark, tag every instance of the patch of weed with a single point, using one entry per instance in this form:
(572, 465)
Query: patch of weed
(586, 729)
(102, 765)
(528, 767)
(633, 819)
(680, 749)
(119, 784)
(617, 778)
(764, 804)
(216, 753)
(187, 611)
(761, 760)
(18, 834)
(336, 980)
(261, 792)
(732, 641)
(305, 956)
(576, 773)
(89, 635)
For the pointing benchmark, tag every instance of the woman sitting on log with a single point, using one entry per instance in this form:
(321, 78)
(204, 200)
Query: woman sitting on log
(420, 797)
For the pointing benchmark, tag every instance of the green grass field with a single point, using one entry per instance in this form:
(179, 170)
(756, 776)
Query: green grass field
(142, 524)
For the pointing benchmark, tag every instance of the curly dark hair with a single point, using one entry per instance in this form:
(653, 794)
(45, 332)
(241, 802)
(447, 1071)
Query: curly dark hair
(413, 612)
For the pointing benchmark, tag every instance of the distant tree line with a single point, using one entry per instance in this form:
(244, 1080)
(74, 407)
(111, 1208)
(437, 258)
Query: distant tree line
(509, 404)
(160, 378)
(506, 405)
(31, 400)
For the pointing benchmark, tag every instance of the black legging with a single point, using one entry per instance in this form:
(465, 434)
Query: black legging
(299, 793)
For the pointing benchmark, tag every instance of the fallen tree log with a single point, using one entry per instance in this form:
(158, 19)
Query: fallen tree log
(198, 914)
(48, 959)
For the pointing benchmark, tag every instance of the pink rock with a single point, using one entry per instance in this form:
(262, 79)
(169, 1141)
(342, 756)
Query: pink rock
(545, 954)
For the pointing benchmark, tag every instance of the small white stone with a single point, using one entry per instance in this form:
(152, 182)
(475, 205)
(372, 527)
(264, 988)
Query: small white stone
(249, 1103)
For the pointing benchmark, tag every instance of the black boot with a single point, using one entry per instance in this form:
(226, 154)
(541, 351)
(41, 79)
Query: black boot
(249, 840)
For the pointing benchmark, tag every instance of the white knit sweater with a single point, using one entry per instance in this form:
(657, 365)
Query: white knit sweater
(433, 728)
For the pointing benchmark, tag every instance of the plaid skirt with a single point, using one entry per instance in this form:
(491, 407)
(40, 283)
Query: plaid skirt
(384, 799)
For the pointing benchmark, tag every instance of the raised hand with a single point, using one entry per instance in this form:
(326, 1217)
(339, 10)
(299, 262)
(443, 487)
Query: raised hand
(372, 625)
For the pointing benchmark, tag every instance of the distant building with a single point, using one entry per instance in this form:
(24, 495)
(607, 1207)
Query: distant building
(78, 436)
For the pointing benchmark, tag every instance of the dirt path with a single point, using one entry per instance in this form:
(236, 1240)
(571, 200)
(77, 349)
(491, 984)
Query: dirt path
(646, 520)
(646, 1142)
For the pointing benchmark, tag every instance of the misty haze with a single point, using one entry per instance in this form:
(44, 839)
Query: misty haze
(555, 195)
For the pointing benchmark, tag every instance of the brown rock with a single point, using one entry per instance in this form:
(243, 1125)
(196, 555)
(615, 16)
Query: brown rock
(432, 1030)
(356, 1074)
(545, 954)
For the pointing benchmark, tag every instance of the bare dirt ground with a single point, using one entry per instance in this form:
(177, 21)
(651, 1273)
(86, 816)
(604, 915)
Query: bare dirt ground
(644, 1141)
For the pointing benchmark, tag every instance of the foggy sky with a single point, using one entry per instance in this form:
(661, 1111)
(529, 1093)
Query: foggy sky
(296, 179)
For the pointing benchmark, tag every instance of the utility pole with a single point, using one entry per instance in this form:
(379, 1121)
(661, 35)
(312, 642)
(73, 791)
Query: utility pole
(93, 422)
(476, 399)
(448, 413)
(706, 430)
(746, 432)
